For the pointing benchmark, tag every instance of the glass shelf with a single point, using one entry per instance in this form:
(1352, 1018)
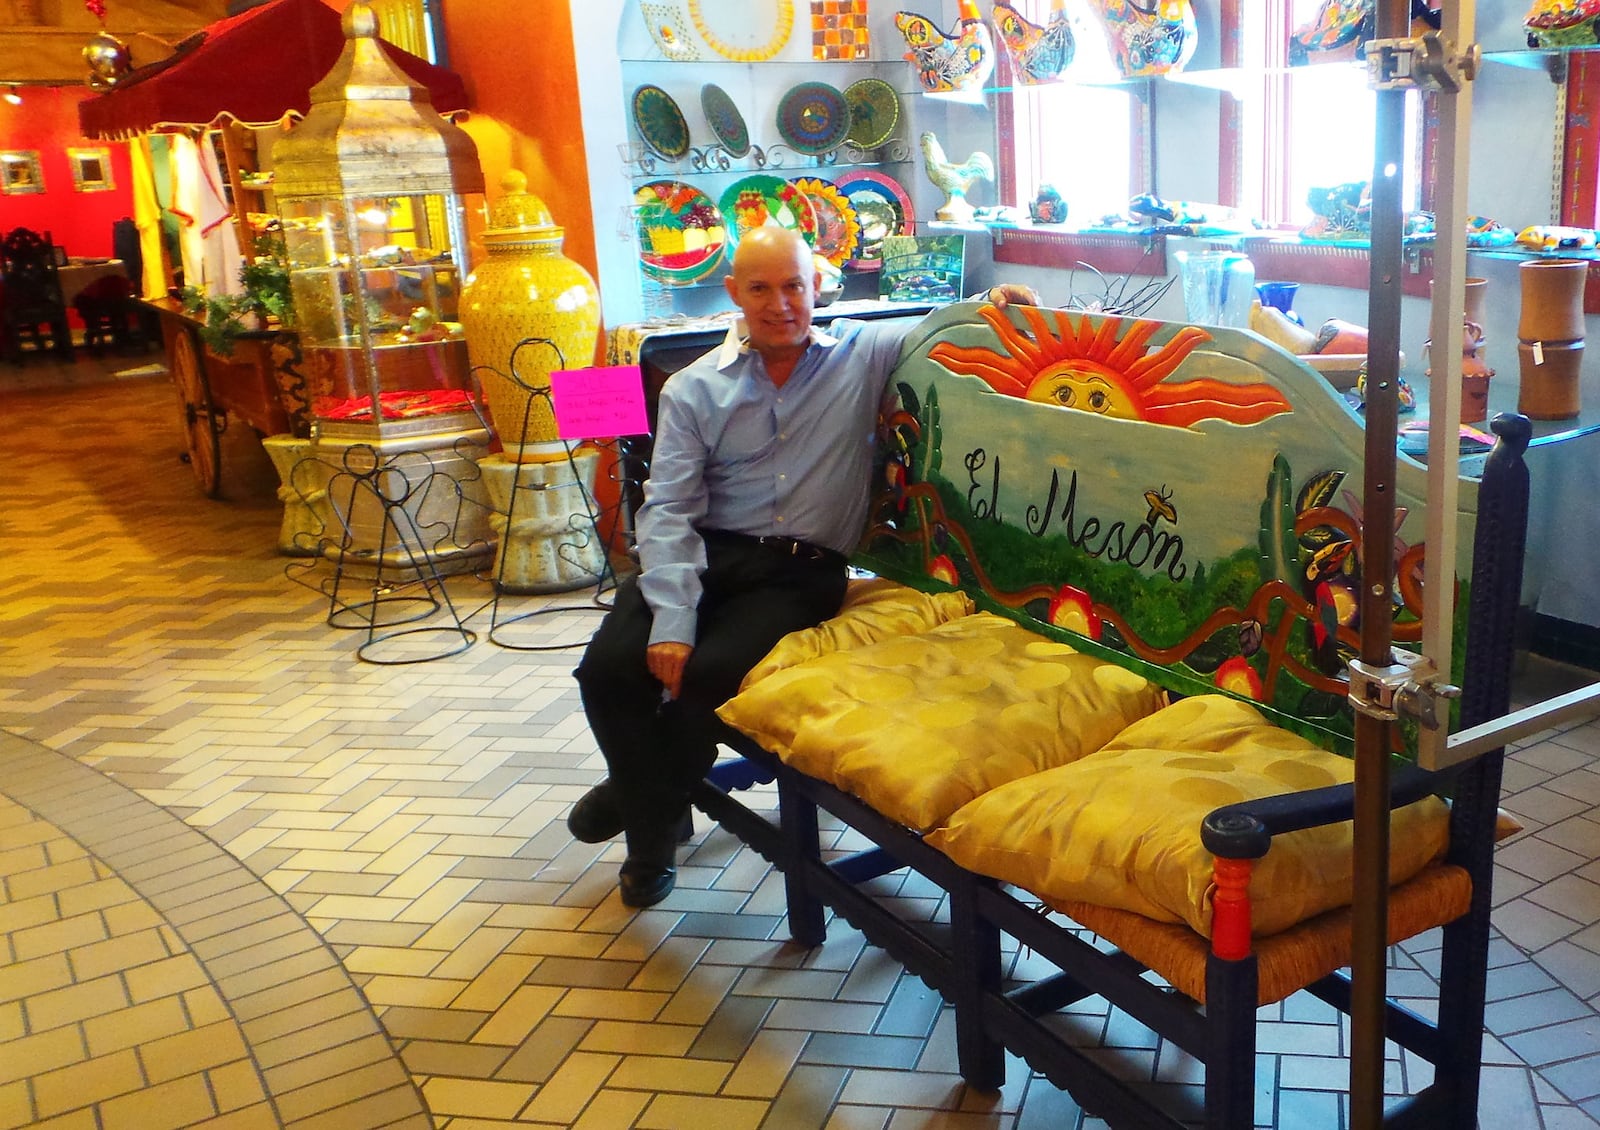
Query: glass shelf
(1548, 59)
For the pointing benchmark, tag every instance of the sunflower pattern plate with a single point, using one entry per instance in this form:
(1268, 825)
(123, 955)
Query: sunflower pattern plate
(725, 120)
(681, 233)
(760, 199)
(874, 111)
(882, 209)
(813, 118)
(838, 230)
(659, 122)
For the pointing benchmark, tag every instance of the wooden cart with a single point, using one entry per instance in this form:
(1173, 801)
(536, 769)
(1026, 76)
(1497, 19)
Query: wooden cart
(260, 384)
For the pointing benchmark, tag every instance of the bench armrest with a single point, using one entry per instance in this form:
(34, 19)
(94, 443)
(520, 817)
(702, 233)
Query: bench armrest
(1245, 830)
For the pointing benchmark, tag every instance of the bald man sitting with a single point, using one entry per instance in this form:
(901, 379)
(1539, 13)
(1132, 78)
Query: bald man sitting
(758, 489)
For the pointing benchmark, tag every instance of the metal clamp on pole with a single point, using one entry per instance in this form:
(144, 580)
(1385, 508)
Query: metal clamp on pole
(1428, 62)
(1408, 688)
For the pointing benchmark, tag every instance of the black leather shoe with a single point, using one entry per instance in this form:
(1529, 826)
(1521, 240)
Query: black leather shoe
(649, 873)
(597, 817)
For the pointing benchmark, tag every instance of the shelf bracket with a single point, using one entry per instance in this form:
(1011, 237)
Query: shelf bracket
(1427, 62)
(1410, 688)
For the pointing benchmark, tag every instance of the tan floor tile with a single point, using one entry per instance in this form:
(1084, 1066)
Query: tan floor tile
(24, 913)
(21, 979)
(611, 1004)
(327, 1062)
(235, 1086)
(762, 1071)
(73, 1003)
(325, 1097)
(16, 1105)
(204, 1006)
(611, 1109)
(122, 952)
(432, 905)
(563, 943)
(497, 982)
(165, 978)
(163, 1106)
(130, 918)
(56, 877)
(81, 1084)
(519, 1015)
(472, 955)
(664, 1073)
(99, 895)
(413, 992)
(260, 1116)
(12, 1026)
(54, 937)
(356, 906)
(74, 1120)
(19, 861)
(137, 1024)
(393, 960)
(479, 1097)
(684, 1112)
(571, 1088)
(41, 1053)
(640, 1039)
(184, 1053)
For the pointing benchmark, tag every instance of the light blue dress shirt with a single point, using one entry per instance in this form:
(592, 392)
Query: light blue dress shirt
(734, 452)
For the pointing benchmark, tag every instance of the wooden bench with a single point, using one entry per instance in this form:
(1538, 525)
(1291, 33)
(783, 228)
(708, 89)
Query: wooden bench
(1138, 513)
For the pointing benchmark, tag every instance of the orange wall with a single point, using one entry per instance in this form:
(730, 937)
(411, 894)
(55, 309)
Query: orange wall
(522, 84)
(47, 121)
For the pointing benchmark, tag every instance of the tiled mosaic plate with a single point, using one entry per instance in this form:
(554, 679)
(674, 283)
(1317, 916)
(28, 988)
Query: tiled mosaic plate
(761, 199)
(874, 112)
(659, 122)
(882, 207)
(813, 118)
(838, 229)
(725, 120)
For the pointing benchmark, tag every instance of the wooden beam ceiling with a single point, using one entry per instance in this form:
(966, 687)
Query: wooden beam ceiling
(42, 42)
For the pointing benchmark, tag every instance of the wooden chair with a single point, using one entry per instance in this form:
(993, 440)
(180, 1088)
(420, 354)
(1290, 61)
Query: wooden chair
(33, 309)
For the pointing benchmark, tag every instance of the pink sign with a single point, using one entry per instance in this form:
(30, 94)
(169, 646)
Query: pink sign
(599, 403)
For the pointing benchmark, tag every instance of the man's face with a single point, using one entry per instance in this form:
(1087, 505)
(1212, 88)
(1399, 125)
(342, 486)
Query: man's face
(774, 286)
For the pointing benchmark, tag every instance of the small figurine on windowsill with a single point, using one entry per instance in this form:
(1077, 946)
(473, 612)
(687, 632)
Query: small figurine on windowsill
(1048, 207)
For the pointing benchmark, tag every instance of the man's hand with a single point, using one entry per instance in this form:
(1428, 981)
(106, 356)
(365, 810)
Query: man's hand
(666, 662)
(1006, 293)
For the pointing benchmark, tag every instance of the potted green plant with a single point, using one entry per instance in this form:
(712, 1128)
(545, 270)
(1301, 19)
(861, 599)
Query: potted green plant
(265, 297)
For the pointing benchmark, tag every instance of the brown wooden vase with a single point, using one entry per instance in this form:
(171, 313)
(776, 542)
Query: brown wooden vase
(1550, 371)
(1552, 299)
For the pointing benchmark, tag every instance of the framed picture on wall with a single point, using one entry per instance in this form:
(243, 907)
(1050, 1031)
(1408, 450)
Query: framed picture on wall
(91, 169)
(20, 172)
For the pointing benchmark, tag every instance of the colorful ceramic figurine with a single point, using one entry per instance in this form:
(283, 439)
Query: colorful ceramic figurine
(1563, 23)
(953, 179)
(1038, 52)
(1341, 212)
(1149, 37)
(962, 60)
(1048, 207)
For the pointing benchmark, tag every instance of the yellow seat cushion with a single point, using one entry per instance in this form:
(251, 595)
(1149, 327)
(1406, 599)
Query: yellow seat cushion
(1121, 827)
(918, 725)
(874, 609)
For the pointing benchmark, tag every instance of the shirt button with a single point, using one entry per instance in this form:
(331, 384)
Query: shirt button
(779, 518)
(782, 477)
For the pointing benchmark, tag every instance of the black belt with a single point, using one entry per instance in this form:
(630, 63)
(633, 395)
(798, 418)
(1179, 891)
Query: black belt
(789, 547)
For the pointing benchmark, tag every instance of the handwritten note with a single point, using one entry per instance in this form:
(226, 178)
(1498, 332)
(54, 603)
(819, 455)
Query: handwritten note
(599, 403)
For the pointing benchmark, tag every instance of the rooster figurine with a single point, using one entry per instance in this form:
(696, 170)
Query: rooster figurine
(1038, 52)
(962, 60)
(954, 180)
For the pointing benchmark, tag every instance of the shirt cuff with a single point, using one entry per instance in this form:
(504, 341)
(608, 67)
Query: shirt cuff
(674, 625)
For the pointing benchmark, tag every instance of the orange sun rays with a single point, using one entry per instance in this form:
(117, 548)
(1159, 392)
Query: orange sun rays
(1058, 361)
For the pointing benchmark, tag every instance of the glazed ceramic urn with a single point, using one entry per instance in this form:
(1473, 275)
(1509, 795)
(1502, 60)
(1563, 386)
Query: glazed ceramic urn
(527, 310)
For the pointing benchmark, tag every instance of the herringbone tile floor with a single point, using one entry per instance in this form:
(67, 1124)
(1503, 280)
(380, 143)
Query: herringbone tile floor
(247, 880)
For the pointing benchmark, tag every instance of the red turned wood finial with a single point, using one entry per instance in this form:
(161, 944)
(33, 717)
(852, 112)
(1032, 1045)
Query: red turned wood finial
(1230, 909)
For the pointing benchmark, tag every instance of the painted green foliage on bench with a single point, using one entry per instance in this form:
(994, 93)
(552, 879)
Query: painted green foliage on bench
(1188, 549)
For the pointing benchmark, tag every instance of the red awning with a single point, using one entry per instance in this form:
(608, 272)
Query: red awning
(255, 68)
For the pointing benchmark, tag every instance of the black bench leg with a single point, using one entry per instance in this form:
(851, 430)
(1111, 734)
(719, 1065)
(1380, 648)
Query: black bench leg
(1231, 989)
(976, 974)
(802, 850)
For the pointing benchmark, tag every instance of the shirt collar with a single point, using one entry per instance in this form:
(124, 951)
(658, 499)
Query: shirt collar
(737, 342)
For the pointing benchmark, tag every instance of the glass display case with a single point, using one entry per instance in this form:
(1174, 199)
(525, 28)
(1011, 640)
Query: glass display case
(376, 308)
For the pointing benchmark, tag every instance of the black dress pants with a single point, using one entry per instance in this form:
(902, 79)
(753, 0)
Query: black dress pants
(656, 749)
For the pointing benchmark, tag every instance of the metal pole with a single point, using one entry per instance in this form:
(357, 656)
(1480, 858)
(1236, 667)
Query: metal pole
(1370, 911)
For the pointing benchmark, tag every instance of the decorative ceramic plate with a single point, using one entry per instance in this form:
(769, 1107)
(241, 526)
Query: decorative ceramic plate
(725, 120)
(882, 208)
(660, 122)
(813, 118)
(838, 230)
(746, 31)
(681, 233)
(874, 111)
(760, 199)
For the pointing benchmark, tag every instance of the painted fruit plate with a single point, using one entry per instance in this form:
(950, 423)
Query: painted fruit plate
(761, 199)
(874, 112)
(838, 230)
(813, 118)
(882, 207)
(682, 235)
(725, 120)
(659, 122)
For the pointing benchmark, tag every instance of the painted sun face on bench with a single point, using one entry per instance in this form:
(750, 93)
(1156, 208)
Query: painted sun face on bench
(1104, 371)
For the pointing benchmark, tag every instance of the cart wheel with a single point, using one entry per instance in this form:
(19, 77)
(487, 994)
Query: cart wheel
(199, 417)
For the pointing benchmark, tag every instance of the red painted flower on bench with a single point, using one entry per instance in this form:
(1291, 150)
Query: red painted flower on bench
(1236, 676)
(1070, 362)
(941, 568)
(1072, 609)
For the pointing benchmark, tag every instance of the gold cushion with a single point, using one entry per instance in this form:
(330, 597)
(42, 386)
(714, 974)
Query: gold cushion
(1121, 827)
(874, 609)
(918, 725)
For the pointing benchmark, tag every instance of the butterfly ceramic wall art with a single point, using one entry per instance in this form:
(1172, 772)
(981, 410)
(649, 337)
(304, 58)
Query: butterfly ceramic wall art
(1038, 52)
(1148, 37)
(961, 60)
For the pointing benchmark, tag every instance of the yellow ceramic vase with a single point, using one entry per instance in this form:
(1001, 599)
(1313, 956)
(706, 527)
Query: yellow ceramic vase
(527, 311)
